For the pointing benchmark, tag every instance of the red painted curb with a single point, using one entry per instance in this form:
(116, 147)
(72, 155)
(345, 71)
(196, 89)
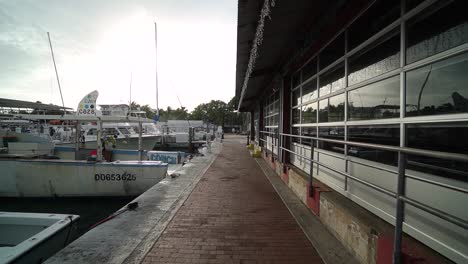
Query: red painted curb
(412, 252)
(285, 175)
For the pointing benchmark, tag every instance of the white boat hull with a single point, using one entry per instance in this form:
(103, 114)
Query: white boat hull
(131, 143)
(69, 178)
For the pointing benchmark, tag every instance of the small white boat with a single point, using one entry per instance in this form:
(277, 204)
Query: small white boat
(32, 238)
(78, 178)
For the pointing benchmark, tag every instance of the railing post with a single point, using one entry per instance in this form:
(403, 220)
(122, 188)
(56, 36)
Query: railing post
(311, 169)
(400, 208)
(248, 140)
(278, 145)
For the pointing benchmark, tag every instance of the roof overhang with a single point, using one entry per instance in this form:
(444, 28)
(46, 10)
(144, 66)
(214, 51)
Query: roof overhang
(31, 105)
(265, 42)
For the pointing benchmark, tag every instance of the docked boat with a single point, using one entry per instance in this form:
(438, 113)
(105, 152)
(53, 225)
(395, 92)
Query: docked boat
(30, 169)
(27, 177)
(32, 238)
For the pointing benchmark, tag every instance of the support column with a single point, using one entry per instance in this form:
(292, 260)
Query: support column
(252, 126)
(260, 123)
(285, 124)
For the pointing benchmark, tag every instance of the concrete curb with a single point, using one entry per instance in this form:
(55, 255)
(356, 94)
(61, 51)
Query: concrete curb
(148, 242)
(128, 237)
(328, 247)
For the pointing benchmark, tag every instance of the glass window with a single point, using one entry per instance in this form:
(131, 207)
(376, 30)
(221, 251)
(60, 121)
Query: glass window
(381, 14)
(296, 79)
(381, 58)
(310, 69)
(309, 113)
(296, 97)
(332, 109)
(332, 80)
(295, 131)
(323, 110)
(309, 132)
(124, 130)
(111, 131)
(375, 101)
(375, 134)
(332, 52)
(336, 108)
(436, 30)
(445, 137)
(410, 4)
(92, 132)
(336, 133)
(439, 88)
(296, 118)
(309, 91)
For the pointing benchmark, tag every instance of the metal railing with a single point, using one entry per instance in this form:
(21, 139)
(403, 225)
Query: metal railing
(399, 195)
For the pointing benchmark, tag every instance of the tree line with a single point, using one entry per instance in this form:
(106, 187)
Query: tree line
(215, 112)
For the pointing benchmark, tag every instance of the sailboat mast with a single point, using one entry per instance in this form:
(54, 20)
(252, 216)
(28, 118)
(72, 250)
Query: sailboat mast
(130, 104)
(156, 64)
(56, 73)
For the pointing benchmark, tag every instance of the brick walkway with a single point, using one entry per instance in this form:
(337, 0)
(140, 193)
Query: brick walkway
(233, 216)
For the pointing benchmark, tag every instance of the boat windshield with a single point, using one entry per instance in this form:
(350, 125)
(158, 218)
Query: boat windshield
(124, 130)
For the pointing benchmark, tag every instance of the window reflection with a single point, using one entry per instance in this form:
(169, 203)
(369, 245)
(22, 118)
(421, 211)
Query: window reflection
(309, 132)
(296, 79)
(332, 80)
(376, 18)
(375, 101)
(332, 52)
(336, 108)
(323, 110)
(331, 133)
(296, 118)
(310, 69)
(439, 88)
(375, 134)
(332, 109)
(309, 113)
(309, 91)
(296, 97)
(436, 30)
(410, 4)
(295, 131)
(446, 137)
(376, 61)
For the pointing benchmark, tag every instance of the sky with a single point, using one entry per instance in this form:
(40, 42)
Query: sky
(102, 45)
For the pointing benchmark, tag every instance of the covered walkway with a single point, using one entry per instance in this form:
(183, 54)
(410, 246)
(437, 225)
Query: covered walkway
(233, 215)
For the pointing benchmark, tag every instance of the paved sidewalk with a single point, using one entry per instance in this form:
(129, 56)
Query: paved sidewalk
(233, 216)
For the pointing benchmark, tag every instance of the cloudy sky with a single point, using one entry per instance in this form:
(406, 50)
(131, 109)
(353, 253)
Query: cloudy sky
(99, 44)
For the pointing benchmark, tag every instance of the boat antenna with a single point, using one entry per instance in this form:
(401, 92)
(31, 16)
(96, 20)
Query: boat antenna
(130, 104)
(178, 99)
(156, 65)
(56, 73)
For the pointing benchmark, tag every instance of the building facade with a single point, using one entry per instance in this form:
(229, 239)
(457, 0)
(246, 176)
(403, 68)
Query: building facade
(321, 77)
